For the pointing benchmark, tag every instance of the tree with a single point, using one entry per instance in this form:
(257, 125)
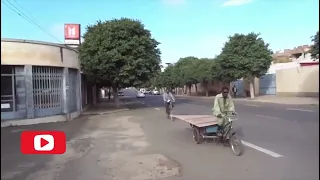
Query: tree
(169, 78)
(120, 52)
(185, 71)
(216, 71)
(244, 56)
(315, 47)
(203, 72)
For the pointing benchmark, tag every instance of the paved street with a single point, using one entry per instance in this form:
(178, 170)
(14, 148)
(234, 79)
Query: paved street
(281, 143)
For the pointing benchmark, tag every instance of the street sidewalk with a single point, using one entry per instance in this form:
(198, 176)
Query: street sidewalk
(269, 99)
(106, 106)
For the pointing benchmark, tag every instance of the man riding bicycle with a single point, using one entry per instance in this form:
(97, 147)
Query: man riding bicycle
(167, 98)
(222, 105)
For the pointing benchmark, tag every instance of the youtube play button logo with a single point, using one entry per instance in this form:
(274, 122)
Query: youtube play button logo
(43, 142)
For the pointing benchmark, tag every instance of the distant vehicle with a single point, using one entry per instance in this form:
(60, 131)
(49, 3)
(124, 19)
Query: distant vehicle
(143, 90)
(155, 92)
(120, 93)
(141, 95)
(147, 91)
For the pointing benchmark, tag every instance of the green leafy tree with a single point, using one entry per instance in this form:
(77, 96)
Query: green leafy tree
(244, 56)
(158, 82)
(203, 72)
(185, 69)
(315, 47)
(119, 52)
(216, 71)
(169, 78)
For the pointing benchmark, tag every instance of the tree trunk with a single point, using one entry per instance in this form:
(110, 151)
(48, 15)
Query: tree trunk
(109, 94)
(189, 89)
(116, 96)
(196, 88)
(98, 94)
(205, 86)
(251, 89)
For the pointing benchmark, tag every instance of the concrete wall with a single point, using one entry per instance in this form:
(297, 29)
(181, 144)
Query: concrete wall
(291, 80)
(299, 81)
(24, 52)
(214, 87)
(278, 66)
(246, 86)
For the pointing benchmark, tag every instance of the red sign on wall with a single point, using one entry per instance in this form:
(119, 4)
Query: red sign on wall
(72, 31)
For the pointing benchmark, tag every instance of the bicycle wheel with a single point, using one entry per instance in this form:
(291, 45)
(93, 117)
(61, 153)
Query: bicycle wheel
(172, 119)
(170, 112)
(197, 137)
(236, 145)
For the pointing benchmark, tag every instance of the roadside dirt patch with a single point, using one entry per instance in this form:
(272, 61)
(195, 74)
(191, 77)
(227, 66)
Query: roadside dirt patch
(142, 167)
(127, 161)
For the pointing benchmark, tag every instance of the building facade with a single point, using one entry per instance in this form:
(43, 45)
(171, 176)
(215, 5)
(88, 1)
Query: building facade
(40, 82)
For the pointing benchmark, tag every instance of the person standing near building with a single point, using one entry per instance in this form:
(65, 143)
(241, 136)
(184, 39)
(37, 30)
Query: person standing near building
(234, 90)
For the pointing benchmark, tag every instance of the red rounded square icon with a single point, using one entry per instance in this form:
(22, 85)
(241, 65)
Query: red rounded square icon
(43, 142)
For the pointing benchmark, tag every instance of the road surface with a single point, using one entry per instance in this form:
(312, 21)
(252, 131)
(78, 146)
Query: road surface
(282, 143)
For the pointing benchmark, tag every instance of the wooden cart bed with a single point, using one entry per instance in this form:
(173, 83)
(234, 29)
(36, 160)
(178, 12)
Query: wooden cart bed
(198, 120)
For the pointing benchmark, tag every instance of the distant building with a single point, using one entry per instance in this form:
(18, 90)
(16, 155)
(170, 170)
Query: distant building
(297, 54)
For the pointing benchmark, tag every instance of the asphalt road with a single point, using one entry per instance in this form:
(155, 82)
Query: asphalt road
(281, 143)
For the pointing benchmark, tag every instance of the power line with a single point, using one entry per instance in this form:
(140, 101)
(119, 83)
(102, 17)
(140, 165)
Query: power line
(27, 18)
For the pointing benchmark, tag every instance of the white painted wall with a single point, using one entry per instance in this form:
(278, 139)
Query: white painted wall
(274, 67)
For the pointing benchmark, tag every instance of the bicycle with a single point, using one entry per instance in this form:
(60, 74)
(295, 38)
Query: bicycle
(170, 109)
(228, 133)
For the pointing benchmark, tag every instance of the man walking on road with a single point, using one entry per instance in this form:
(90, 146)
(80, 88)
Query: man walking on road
(167, 96)
(234, 90)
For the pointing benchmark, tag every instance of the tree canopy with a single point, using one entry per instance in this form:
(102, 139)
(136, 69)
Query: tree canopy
(315, 47)
(120, 53)
(244, 56)
(187, 71)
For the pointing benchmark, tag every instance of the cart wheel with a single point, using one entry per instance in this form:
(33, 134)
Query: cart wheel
(236, 145)
(197, 137)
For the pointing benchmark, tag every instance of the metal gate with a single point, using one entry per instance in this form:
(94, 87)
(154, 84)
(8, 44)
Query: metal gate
(13, 93)
(239, 86)
(84, 90)
(47, 90)
(268, 84)
(73, 86)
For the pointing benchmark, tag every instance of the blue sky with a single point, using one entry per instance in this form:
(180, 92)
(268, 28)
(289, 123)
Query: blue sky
(184, 27)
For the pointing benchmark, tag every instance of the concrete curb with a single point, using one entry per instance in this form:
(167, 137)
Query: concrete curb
(105, 112)
(48, 119)
(249, 100)
(56, 118)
